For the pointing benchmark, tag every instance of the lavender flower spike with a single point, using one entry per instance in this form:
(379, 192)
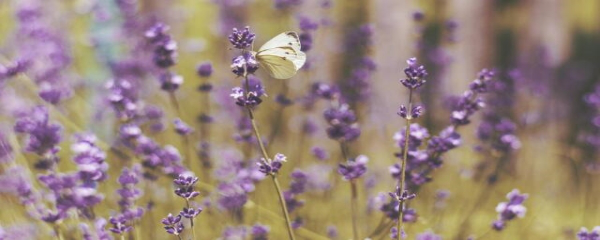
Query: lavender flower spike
(271, 167)
(509, 210)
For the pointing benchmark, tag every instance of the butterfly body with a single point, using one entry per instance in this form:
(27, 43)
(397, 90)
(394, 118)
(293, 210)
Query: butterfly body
(281, 56)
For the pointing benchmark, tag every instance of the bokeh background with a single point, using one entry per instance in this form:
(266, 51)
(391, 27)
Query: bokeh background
(546, 53)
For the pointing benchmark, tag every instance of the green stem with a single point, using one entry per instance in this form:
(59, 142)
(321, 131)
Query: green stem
(57, 232)
(354, 195)
(267, 158)
(353, 204)
(402, 181)
(184, 138)
(284, 208)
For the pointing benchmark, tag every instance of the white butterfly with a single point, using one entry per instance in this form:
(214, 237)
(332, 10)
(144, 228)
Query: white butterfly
(281, 56)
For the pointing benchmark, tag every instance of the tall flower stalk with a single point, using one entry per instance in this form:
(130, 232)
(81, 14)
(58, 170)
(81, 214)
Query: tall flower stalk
(242, 66)
(414, 80)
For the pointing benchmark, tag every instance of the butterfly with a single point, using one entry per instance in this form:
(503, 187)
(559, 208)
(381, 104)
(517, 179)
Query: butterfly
(281, 56)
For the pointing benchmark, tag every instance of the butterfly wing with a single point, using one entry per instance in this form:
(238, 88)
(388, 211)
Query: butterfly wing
(281, 56)
(277, 67)
(285, 39)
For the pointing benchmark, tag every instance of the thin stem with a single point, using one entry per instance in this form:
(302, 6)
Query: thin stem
(122, 237)
(57, 232)
(353, 204)
(354, 195)
(284, 208)
(402, 180)
(187, 203)
(178, 236)
(267, 158)
(184, 138)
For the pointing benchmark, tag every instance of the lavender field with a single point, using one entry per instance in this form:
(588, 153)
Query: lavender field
(299, 119)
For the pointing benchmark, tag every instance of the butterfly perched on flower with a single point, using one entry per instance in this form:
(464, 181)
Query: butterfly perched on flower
(281, 56)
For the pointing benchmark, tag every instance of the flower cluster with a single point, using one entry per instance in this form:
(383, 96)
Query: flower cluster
(244, 64)
(185, 187)
(260, 232)
(123, 98)
(242, 99)
(470, 102)
(584, 234)
(354, 168)
(173, 224)
(119, 225)
(297, 186)
(90, 160)
(271, 167)
(129, 193)
(43, 136)
(242, 39)
(165, 55)
(342, 123)
(164, 47)
(510, 210)
(307, 26)
(414, 74)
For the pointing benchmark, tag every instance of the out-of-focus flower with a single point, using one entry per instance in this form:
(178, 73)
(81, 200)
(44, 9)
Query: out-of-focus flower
(510, 210)
(584, 234)
(204, 69)
(260, 232)
(342, 121)
(354, 168)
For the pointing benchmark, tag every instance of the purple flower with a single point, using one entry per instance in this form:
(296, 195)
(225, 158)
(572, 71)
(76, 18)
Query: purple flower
(332, 231)
(234, 233)
(204, 69)
(123, 96)
(509, 210)
(164, 47)
(232, 196)
(325, 91)
(129, 193)
(319, 153)
(100, 226)
(428, 235)
(170, 82)
(251, 99)
(414, 74)
(181, 127)
(53, 217)
(271, 167)
(43, 136)
(119, 223)
(242, 39)
(342, 121)
(185, 187)
(415, 112)
(190, 212)
(173, 224)
(584, 234)
(244, 64)
(260, 232)
(90, 159)
(354, 168)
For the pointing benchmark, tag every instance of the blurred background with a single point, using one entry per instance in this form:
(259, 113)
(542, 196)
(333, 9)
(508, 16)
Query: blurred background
(539, 131)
